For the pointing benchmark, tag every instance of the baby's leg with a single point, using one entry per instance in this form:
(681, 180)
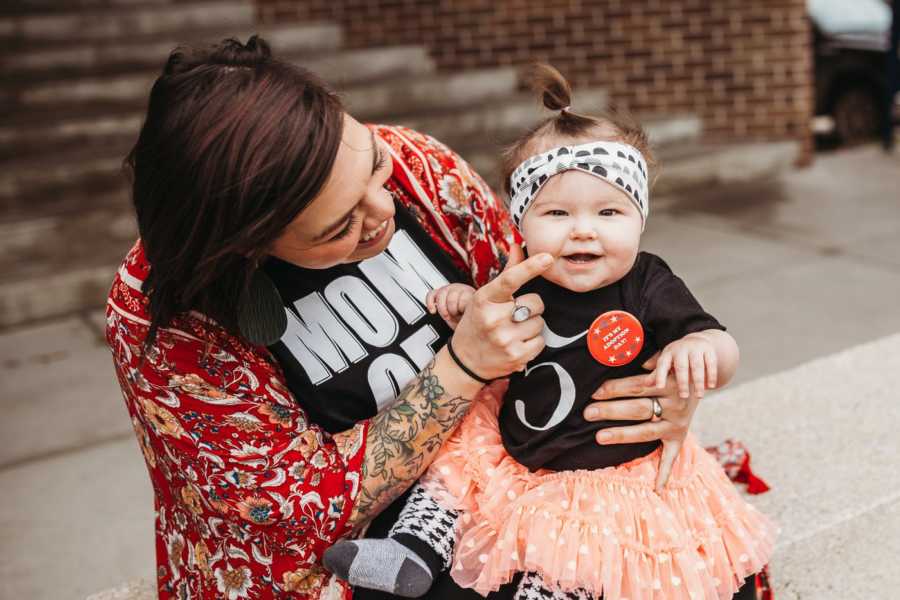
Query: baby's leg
(418, 547)
(532, 587)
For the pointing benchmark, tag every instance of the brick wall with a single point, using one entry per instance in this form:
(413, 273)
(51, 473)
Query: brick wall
(744, 67)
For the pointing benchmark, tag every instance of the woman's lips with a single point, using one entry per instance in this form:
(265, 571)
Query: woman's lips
(374, 236)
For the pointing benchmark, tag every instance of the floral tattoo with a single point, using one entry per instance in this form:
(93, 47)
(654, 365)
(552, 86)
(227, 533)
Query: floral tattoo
(403, 439)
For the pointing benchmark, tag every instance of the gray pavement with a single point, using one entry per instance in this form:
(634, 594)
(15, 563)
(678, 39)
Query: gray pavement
(798, 269)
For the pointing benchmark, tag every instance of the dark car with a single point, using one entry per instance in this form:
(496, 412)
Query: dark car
(852, 39)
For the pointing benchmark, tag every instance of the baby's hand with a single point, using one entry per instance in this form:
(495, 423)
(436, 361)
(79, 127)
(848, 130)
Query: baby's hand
(694, 360)
(450, 301)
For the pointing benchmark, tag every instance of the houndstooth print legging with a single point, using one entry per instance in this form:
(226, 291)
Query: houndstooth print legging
(425, 519)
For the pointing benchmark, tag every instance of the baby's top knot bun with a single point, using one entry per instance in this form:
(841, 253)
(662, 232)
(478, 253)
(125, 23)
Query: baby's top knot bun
(228, 53)
(567, 127)
(555, 91)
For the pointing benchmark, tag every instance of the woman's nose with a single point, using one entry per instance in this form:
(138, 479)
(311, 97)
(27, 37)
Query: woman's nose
(379, 207)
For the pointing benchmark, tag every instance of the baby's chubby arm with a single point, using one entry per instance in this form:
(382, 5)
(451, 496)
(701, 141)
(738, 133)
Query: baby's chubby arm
(703, 360)
(450, 302)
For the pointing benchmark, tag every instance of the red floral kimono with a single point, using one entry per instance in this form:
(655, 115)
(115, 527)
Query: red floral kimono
(249, 493)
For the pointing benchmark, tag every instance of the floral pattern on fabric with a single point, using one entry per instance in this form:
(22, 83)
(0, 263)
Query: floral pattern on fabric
(248, 493)
(453, 203)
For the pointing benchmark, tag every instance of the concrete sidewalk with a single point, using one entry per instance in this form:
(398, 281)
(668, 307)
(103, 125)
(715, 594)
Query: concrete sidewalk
(797, 269)
(824, 436)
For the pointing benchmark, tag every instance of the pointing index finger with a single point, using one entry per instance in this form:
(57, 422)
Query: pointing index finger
(511, 279)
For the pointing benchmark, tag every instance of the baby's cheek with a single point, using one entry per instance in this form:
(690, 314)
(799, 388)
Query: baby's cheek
(556, 274)
(548, 238)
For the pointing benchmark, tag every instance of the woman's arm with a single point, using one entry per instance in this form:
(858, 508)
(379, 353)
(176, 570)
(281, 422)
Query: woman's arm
(403, 439)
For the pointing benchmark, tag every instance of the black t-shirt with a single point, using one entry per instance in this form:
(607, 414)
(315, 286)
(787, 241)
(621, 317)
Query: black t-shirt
(548, 436)
(358, 333)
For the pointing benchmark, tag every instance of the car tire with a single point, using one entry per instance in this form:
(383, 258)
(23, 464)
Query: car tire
(857, 115)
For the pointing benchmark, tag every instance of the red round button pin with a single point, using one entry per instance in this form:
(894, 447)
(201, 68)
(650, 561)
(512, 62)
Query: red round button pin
(615, 338)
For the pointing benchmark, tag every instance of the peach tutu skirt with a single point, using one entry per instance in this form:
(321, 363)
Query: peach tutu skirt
(605, 531)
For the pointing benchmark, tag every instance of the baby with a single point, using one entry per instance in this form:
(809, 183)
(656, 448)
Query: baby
(524, 485)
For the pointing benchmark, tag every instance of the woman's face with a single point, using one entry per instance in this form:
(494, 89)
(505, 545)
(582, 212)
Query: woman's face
(352, 218)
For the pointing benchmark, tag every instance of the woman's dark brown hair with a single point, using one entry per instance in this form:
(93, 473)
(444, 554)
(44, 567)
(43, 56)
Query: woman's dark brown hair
(235, 145)
(568, 126)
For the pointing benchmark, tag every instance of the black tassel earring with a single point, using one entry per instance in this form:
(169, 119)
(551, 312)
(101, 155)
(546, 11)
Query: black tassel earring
(261, 317)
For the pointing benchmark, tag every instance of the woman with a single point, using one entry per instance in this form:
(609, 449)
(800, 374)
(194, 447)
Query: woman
(254, 193)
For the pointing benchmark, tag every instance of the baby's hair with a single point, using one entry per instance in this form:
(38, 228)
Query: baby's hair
(569, 127)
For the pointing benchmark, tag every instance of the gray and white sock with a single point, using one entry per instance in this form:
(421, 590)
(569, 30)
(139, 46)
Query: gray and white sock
(385, 565)
(418, 547)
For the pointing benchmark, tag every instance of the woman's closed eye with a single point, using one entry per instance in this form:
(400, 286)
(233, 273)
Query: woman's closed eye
(351, 223)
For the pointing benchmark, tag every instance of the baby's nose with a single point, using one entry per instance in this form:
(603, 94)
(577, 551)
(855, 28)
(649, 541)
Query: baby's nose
(583, 234)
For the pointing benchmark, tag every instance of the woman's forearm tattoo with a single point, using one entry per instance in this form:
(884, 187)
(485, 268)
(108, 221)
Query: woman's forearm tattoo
(403, 439)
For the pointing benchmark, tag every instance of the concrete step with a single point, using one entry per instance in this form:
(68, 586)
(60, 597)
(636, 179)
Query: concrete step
(30, 180)
(36, 182)
(441, 92)
(43, 245)
(378, 97)
(123, 21)
(57, 265)
(346, 68)
(701, 165)
(107, 124)
(488, 115)
(821, 434)
(68, 61)
(25, 7)
(491, 122)
(91, 164)
(97, 127)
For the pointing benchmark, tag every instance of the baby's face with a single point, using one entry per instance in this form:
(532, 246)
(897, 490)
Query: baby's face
(591, 227)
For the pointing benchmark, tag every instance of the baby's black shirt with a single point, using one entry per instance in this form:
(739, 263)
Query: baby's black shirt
(667, 311)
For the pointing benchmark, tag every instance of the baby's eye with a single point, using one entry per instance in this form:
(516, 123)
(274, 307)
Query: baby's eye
(608, 212)
(557, 213)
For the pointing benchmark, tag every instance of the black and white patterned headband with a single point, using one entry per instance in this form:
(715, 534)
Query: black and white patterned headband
(619, 164)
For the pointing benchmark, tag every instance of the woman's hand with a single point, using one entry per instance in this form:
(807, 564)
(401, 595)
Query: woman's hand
(671, 428)
(486, 339)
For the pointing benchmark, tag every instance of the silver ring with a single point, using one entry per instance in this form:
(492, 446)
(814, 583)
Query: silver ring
(657, 410)
(521, 313)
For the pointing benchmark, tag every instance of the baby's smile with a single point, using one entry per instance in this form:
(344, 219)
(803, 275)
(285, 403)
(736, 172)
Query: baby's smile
(581, 258)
